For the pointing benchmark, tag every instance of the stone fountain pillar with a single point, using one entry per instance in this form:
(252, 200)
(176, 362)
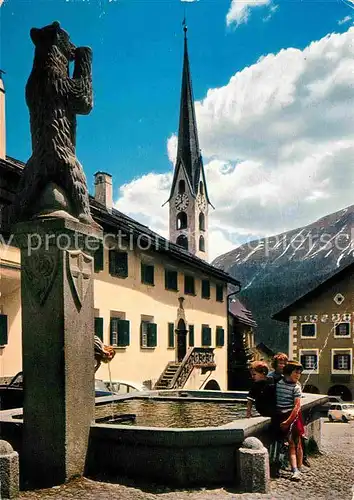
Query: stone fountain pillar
(57, 347)
(57, 238)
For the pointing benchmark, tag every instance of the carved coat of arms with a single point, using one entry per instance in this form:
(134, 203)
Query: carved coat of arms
(40, 269)
(80, 271)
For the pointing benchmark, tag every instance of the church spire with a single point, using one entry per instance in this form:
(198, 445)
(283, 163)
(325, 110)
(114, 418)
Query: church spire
(188, 201)
(188, 152)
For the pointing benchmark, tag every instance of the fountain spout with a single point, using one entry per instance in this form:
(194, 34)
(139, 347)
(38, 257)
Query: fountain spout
(103, 353)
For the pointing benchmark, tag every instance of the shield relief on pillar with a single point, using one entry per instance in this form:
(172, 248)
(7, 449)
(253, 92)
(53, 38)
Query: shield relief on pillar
(79, 267)
(40, 269)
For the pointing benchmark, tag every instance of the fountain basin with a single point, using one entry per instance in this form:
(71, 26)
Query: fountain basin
(179, 457)
(184, 457)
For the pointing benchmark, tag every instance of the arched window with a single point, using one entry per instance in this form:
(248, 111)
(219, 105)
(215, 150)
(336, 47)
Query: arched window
(181, 221)
(182, 241)
(201, 188)
(201, 244)
(181, 186)
(201, 222)
(212, 385)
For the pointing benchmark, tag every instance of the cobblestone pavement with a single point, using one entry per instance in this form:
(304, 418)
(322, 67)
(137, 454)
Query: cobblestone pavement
(331, 477)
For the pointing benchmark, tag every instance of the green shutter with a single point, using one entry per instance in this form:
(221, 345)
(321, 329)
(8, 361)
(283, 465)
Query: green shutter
(152, 335)
(113, 328)
(112, 262)
(220, 337)
(205, 289)
(150, 274)
(99, 328)
(174, 280)
(123, 333)
(171, 280)
(220, 293)
(99, 259)
(189, 285)
(118, 263)
(147, 274)
(3, 329)
(191, 335)
(206, 336)
(171, 335)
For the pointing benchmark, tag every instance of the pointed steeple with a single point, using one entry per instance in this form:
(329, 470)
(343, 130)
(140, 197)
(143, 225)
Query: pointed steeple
(188, 151)
(188, 201)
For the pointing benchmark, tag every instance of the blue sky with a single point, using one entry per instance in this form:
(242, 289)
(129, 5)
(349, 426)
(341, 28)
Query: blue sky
(137, 48)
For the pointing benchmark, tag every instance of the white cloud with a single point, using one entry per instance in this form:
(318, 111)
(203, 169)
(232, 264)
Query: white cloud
(272, 10)
(172, 148)
(239, 11)
(278, 144)
(345, 19)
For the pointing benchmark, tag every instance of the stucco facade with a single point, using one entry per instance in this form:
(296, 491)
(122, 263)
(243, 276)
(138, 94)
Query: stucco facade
(321, 335)
(130, 299)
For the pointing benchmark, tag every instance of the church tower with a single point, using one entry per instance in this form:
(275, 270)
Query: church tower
(189, 201)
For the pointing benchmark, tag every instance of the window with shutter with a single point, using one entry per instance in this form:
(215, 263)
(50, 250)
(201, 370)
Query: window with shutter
(152, 335)
(118, 264)
(191, 335)
(220, 293)
(205, 289)
(171, 335)
(220, 340)
(114, 331)
(189, 287)
(206, 336)
(99, 328)
(147, 274)
(3, 329)
(309, 361)
(342, 330)
(99, 259)
(143, 333)
(308, 330)
(342, 360)
(171, 280)
(123, 333)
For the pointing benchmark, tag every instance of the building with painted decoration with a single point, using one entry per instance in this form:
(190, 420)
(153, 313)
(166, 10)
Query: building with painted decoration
(321, 334)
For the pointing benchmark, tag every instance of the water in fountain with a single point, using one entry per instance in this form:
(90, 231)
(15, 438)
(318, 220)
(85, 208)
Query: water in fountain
(111, 389)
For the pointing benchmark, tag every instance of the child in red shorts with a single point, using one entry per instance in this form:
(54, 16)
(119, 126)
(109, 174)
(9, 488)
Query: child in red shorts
(288, 418)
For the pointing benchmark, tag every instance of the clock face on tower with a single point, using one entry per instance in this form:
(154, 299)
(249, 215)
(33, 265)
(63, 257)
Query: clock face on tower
(201, 202)
(181, 201)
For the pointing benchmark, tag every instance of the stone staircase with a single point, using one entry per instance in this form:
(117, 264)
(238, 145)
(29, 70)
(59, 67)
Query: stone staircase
(166, 378)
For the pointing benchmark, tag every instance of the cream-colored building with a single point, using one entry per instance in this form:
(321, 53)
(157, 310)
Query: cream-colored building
(154, 305)
(162, 307)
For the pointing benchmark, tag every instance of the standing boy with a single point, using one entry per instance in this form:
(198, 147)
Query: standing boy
(288, 417)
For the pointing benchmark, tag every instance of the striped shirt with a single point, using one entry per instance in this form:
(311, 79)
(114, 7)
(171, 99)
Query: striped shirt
(286, 393)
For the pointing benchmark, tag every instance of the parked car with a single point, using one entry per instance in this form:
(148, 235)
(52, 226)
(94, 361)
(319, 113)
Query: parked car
(101, 389)
(331, 401)
(341, 412)
(11, 394)
(125, 386)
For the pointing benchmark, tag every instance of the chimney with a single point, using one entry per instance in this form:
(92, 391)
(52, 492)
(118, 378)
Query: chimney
(2, 119)
(103, 189)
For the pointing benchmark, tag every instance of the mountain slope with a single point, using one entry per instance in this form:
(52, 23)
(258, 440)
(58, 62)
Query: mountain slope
(276, 270)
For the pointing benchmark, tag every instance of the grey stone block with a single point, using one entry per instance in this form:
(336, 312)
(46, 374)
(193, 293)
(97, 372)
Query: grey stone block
(253, 461)
(9, 472)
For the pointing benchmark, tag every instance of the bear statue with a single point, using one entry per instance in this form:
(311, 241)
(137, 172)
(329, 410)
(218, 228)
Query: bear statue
(53, 182)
